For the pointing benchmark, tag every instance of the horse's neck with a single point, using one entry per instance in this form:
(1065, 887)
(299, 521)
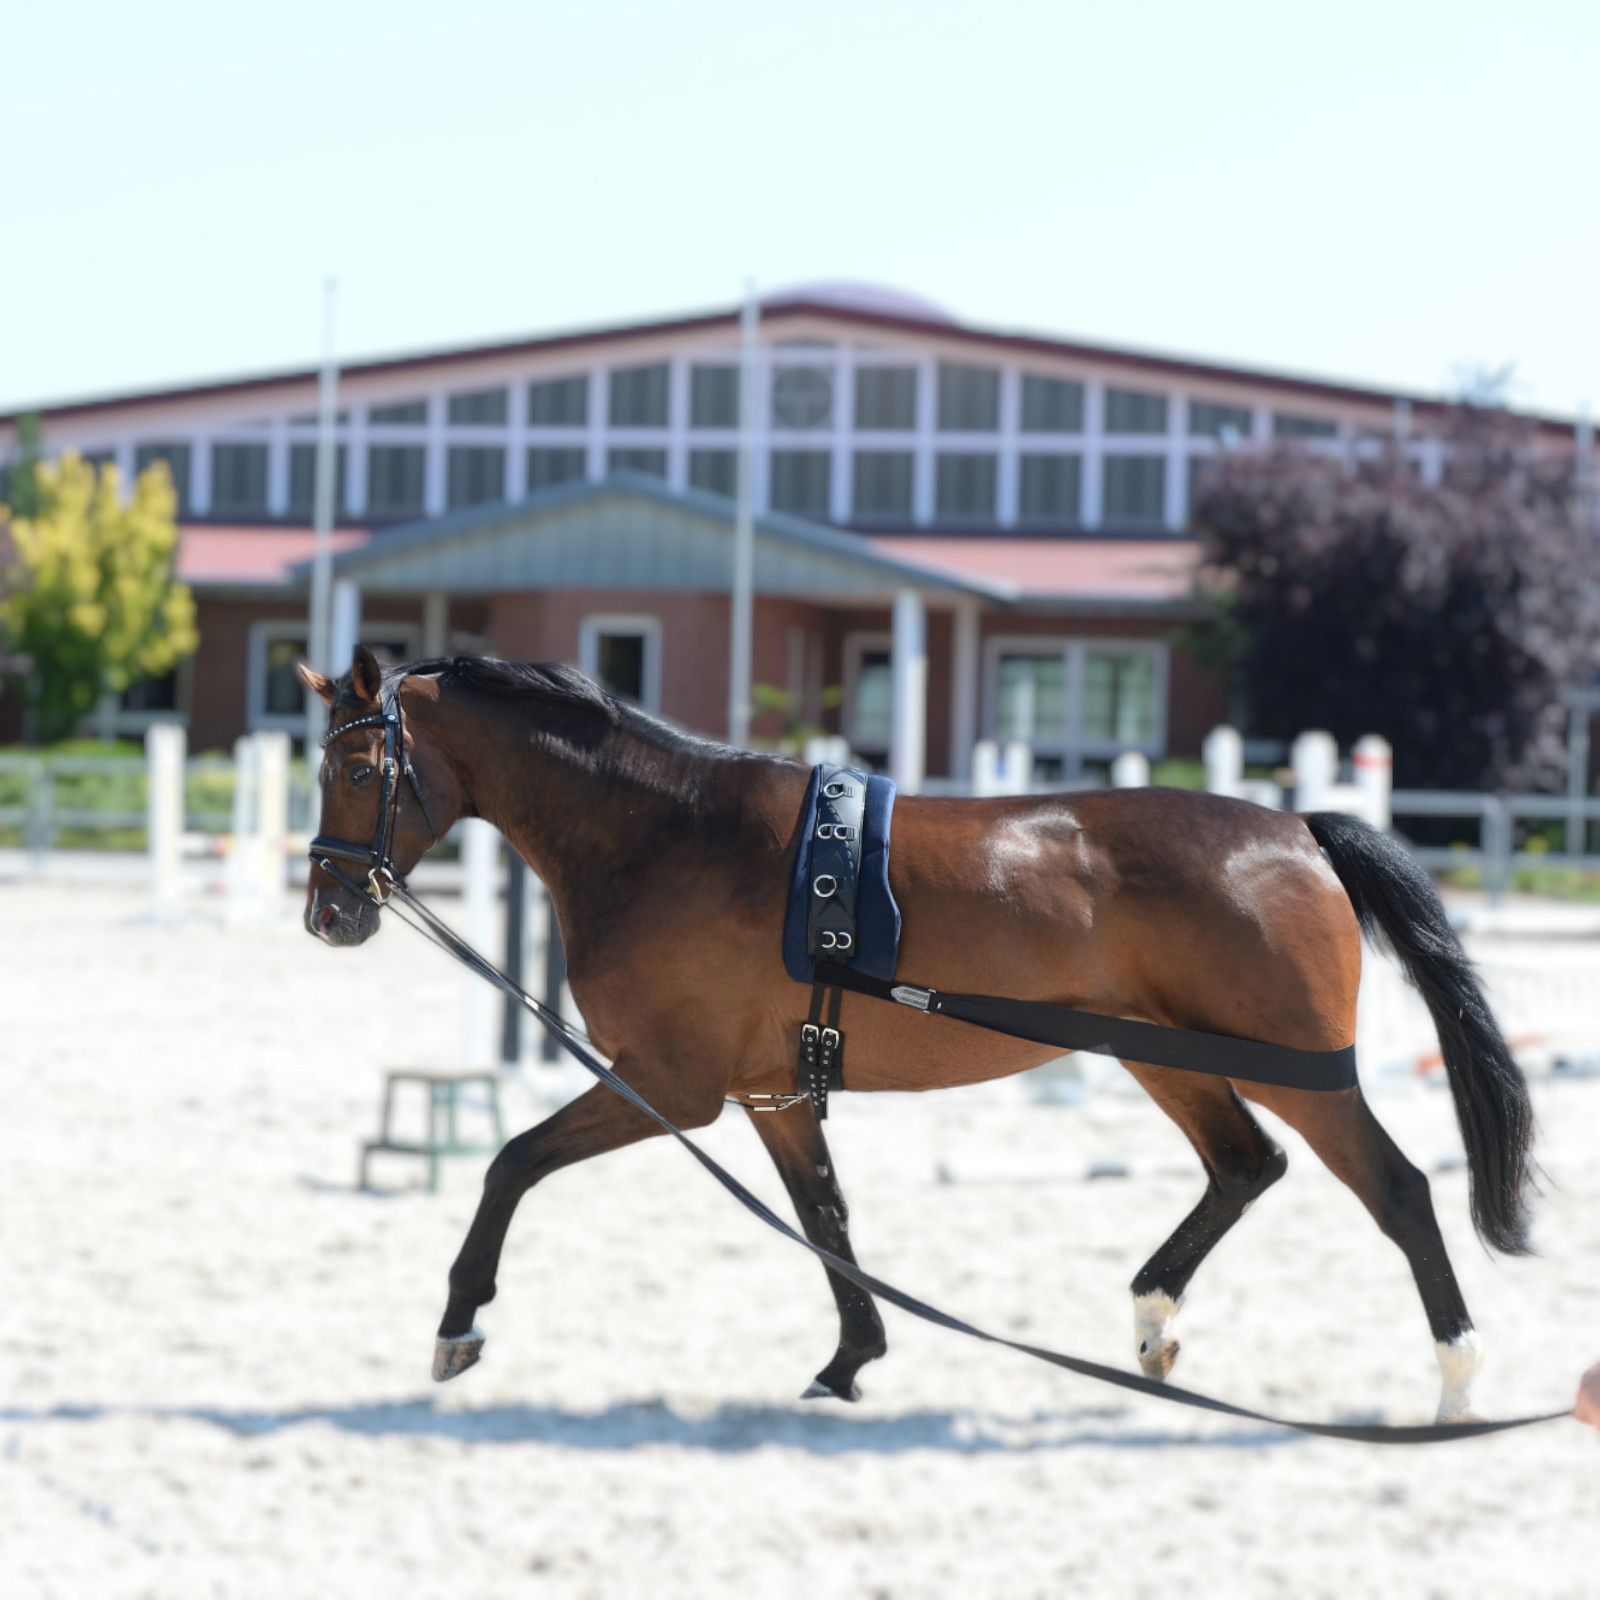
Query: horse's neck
(575, 810)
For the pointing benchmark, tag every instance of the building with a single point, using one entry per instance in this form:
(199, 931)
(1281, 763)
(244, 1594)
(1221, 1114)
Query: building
(1008, 513)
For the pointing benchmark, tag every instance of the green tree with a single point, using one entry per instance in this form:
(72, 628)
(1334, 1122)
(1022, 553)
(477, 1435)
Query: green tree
(87, 589)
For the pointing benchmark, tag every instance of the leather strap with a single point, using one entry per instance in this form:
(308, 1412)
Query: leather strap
(835, 864)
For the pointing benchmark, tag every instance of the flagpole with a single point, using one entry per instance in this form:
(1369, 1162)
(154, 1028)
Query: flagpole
(741, 610)
(319, 621)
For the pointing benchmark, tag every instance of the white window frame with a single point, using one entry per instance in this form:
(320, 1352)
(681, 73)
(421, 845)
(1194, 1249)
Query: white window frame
(853, 653)
(257, 717)
(646, 627)
(1073, 749)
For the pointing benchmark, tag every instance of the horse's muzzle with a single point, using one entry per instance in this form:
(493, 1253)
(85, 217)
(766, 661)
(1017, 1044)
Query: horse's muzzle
(342, 920)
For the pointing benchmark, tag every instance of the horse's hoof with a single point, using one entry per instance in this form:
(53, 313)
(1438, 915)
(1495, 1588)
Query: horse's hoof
(452, 1357)
(818, 1390)
(1457, 1416)
(1156, 1358)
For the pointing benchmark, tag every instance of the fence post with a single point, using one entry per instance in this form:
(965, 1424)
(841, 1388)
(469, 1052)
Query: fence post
(243, 871)
(272, 812)
(165, 747)
(1373, 759)
(1018, 770)
(1223, 755)
(985, 767)
(1131, 770)
(1314, 756)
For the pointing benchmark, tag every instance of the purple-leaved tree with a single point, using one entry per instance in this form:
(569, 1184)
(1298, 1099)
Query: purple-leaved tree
(1450, 618)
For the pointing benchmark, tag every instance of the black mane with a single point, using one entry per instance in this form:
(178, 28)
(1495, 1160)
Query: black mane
(512, 680)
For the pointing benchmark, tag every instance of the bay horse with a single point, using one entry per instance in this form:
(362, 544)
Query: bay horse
(667, 859)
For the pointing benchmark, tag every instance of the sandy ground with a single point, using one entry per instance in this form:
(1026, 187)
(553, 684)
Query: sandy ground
(216, 1349)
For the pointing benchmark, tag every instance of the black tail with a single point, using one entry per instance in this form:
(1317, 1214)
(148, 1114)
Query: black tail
(1395, 899)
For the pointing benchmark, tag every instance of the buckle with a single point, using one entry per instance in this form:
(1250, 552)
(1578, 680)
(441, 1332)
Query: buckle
(831, 940)
(835, 830)
(836, 789)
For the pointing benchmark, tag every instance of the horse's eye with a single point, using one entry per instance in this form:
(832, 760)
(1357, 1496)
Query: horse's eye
(358, 775)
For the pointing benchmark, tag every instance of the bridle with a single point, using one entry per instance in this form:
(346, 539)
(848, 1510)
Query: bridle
(377, 857)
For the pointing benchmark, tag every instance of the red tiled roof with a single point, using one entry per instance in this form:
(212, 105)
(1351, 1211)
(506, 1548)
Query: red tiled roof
(213, 556)
(1140, 571)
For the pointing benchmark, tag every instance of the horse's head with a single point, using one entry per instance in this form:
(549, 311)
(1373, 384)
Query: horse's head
(388, 794)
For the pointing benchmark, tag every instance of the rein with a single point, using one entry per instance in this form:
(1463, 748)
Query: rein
(394, 894)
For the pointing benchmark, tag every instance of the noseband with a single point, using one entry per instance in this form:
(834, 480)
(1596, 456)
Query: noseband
(377, 857)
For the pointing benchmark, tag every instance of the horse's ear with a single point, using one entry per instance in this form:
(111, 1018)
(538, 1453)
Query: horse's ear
(366, 676)
(313, 680)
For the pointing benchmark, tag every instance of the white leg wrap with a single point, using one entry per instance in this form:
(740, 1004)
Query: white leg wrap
(1152, 1315)
(1459, 1361)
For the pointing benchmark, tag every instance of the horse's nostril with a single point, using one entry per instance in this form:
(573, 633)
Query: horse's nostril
(327, 916)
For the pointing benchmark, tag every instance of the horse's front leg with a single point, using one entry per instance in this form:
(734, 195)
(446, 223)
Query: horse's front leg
(794, 1141)
(597, 1121)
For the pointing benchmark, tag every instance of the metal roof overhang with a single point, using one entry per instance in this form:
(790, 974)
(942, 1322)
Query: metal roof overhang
(627, 532)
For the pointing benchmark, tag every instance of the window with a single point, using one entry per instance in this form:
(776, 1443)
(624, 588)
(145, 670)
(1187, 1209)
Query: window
(715, 471)
(548, 467)
(869, 694)
(408, 411)
(623, 655)
(886, 399)
(152, 696)
(800, 482)
(965, 488)
(1135, 491)
(176, 456)
(639, 397)
(1031, 698)
(1077, 699)
(802, 397)
(239, 479)
(883, 484)
(395, 477)
(969, 398)
(1119, 697)
(649, 463)
(483, 407)
(303, 481)
(1050, 488)
(274, 698)
(714, 397)
(1286, 426)
(1207, 417)
(161, 699)
(1135, 411)
(1051, 405)
(559, 402)
(476, 475)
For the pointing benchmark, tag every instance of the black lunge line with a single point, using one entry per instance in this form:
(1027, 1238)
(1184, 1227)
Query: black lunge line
(433, 928)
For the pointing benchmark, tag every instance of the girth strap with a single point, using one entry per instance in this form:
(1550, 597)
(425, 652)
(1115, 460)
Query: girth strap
(821, 1065)
(1218, 1054)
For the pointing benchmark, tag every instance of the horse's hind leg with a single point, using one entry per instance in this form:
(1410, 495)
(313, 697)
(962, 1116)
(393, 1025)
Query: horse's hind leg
(1241, 1163)
(1357, 1150)
(794, 1141)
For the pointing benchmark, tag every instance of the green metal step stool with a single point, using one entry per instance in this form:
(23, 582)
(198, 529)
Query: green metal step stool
(444, 1139)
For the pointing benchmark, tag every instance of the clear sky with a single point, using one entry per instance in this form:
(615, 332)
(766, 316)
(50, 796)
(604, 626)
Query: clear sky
(1390, 192)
